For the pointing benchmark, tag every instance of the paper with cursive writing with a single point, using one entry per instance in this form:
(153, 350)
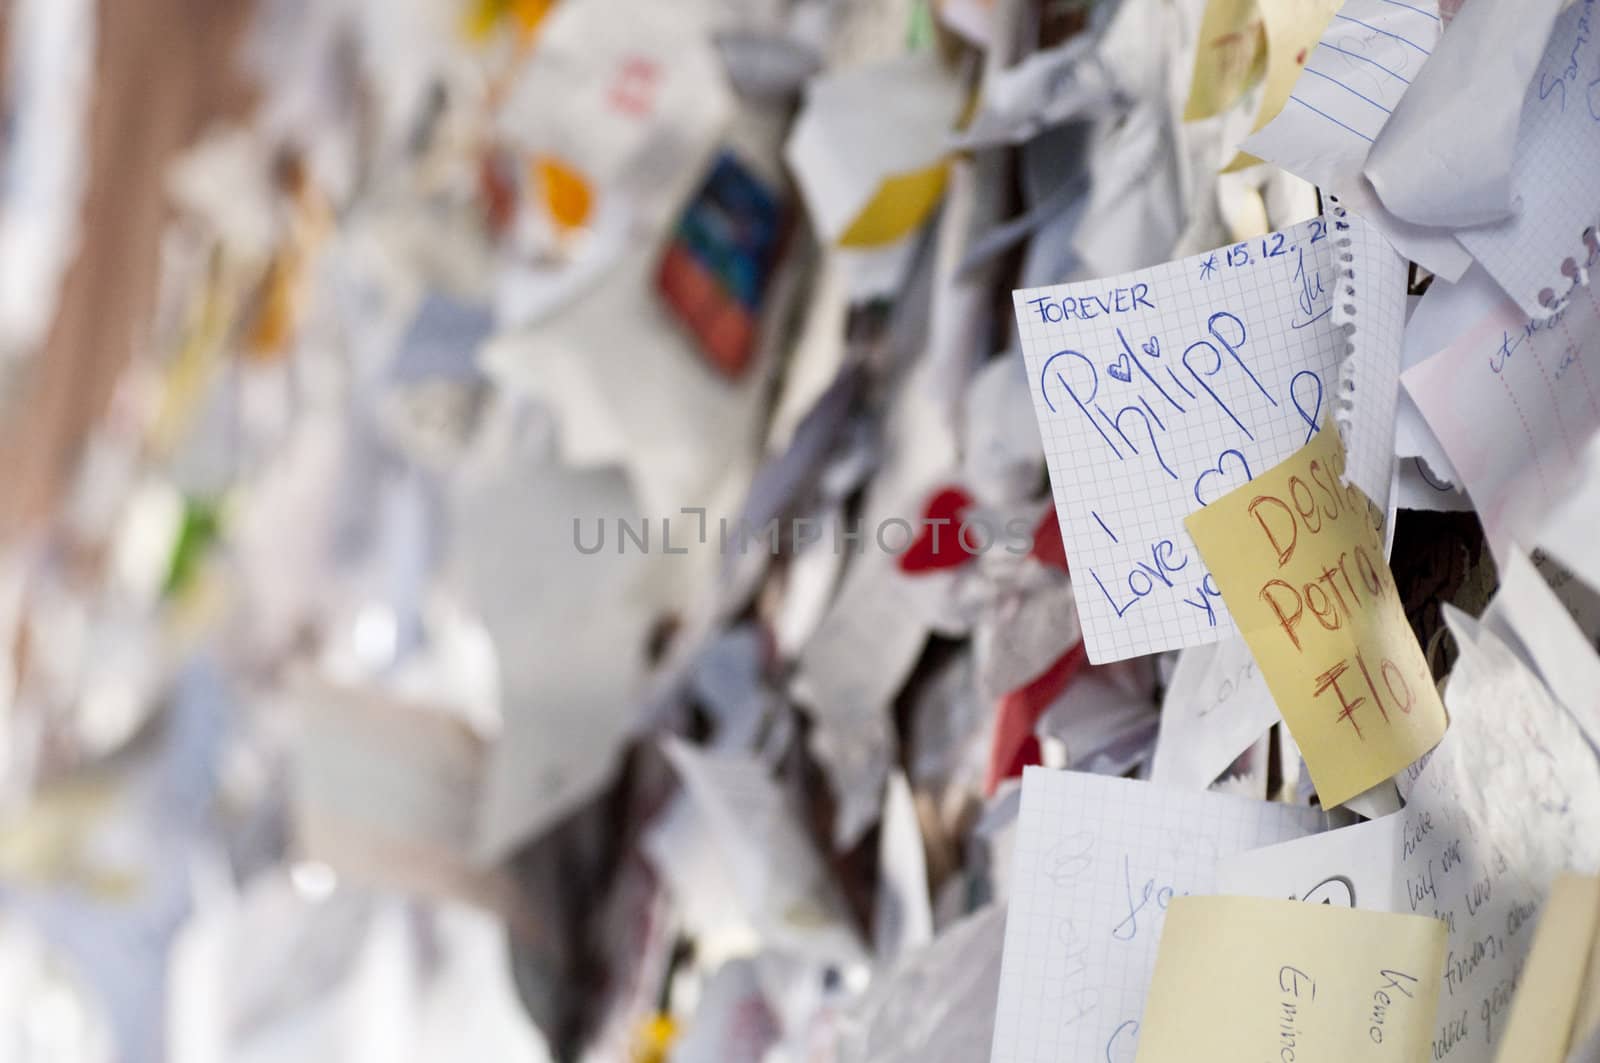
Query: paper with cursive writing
(1509, 800)
(1300, 561)
(1250, 978)
(1513, 401)
(1157, 392)
(1097, 861)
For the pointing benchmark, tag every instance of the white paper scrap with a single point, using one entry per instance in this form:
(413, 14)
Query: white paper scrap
(1348, 87)
(1541, 252)
(1217, 705)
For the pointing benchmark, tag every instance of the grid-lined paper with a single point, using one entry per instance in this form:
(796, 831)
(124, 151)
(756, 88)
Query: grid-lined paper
(1160, 390)
(1542, 247)
(1348, 87)
(1373, 278)
(1097, 860)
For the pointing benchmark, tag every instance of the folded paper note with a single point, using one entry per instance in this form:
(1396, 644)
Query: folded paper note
(1299, 560)
(1250, 978)
(1217, 705)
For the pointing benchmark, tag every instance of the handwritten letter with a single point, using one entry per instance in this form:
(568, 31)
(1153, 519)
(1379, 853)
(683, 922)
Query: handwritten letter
(1158, 392)
(1299, 559)
(1509, 800)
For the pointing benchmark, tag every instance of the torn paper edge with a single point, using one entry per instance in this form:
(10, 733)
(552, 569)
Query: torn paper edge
(1344, 319)
(1575, 269)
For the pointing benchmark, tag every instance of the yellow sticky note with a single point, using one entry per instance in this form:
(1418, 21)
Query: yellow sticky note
(1292, 29)
(1247, 978)
(1588, 1017)
(1299, 561)
(1230, 57)
(900, 204)
(1545, 1010)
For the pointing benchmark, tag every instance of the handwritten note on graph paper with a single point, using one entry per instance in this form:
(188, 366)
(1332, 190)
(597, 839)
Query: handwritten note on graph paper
(1300, 562)
(1348, 87)
(1159, 391)
(1291, 27)
(1514, 401)
(1249, 978)
(1097, 861)
(1538, 252)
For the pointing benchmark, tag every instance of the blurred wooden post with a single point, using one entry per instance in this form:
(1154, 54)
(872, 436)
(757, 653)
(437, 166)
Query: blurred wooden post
(164, 69)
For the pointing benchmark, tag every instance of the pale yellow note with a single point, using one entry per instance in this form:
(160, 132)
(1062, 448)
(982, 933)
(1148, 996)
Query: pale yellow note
(1545, 1010)
(1230, 57)
(1300, 563)
(1588, 1018)
(1292, 29)
(901, 203)
(1247, 978)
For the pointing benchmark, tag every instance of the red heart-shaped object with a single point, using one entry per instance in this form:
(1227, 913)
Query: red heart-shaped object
(1018, 714)
(1048, 549)
(938, 546)
(1028, 754)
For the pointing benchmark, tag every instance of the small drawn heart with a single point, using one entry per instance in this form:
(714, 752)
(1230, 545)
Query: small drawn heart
(1218, 471)
(941, 521)
(1152, 347)
(1121, 369)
